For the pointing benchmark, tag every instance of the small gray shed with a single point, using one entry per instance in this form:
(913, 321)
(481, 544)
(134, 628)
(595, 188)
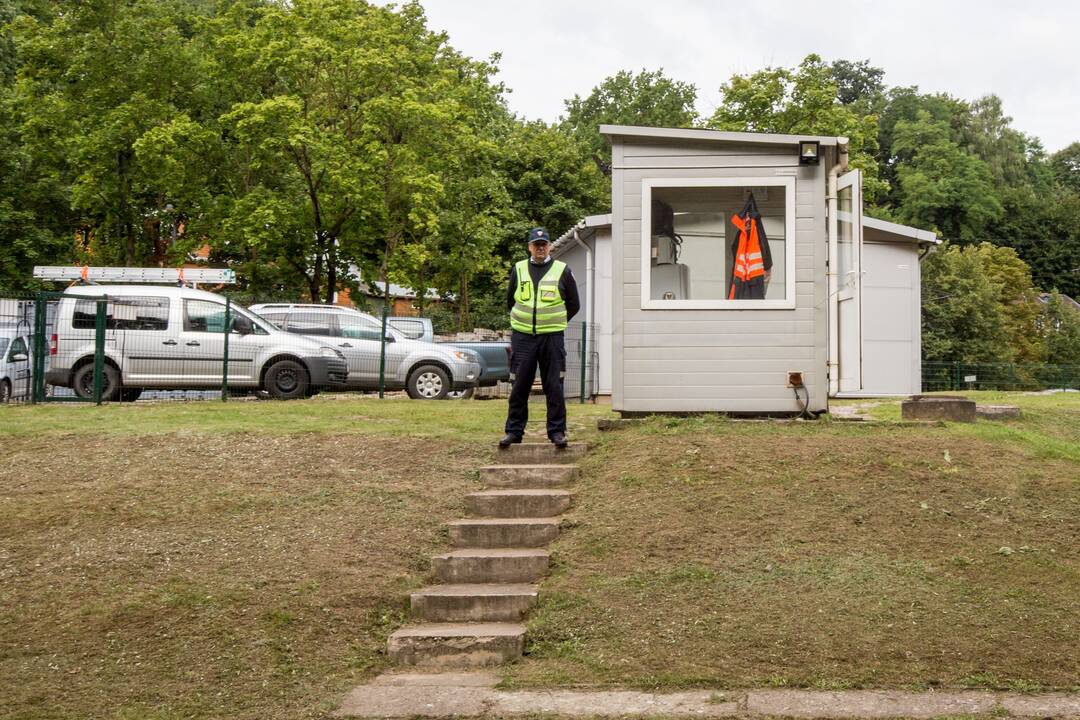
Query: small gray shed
(677, 343)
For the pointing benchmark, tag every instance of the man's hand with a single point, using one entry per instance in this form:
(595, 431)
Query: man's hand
(768, 275)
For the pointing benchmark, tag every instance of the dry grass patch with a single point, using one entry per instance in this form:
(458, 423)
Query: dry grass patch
(201, 575)
(713, 553)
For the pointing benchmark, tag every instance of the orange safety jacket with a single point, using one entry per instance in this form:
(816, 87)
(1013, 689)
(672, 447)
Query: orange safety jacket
(750, 260)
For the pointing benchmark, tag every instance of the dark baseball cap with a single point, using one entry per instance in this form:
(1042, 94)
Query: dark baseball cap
(539, 234)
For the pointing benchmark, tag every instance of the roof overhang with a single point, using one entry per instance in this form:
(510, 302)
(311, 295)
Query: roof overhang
(885, 231)
(586, 227)
(698, 135)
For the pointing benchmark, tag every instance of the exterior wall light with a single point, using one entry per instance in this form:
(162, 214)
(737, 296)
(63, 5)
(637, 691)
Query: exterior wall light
(809, 152)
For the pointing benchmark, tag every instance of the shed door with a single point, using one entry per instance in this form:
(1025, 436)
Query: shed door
(849, 279)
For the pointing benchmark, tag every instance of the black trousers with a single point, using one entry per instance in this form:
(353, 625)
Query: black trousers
(547, 351)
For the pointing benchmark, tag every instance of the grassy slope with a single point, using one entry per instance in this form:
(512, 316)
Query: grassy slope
(248, 559)
(204, 560)
(830, 555)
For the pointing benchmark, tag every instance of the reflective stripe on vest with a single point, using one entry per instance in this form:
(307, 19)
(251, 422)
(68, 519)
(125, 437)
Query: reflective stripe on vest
(542, 311)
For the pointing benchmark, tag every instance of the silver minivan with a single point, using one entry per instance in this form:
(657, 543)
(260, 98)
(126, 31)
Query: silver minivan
(174, 338)
(14, 362)
(427, 371)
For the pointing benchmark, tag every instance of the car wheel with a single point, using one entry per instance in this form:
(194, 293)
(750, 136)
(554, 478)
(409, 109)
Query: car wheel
(428, 382)
(5, 391)
(130, 394)
(460, 394)
(287, 380)
(84, 382)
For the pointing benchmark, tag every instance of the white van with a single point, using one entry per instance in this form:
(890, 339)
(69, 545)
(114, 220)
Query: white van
(174, 338)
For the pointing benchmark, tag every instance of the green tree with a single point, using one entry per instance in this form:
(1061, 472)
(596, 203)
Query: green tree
(805, 101)
(350, 120)
(961, 314)
(95, 78)
(858, 83)
(1061, 331)
(1065, 164)
(648, 98)
(940, 184)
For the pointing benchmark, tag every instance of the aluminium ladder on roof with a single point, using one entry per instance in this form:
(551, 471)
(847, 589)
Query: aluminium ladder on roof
(169, 276)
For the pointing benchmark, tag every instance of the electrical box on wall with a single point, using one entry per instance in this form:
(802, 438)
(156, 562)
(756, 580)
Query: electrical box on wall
(795, 379)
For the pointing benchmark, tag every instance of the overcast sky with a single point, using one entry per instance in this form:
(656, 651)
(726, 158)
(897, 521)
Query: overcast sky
(1027, 53)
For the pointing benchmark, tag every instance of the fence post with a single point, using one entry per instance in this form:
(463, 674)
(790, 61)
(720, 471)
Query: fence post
(99, 347)
(382, 352)
(37, 372)
(225, 354)
(584, 361)
(956, 378)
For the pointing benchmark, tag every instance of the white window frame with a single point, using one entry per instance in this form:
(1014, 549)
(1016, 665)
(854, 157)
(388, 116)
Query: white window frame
(788, 303)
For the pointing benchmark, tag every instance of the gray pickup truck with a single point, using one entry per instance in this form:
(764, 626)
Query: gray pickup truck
(494, 354)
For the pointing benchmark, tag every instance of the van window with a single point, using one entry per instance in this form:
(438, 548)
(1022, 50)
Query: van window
(204, 316)
(310, 323)
(18, 345)
(412, 329)
(359, 328)
(130, 312)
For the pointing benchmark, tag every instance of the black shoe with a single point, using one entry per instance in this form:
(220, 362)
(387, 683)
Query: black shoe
(559, 439)
(509, 439)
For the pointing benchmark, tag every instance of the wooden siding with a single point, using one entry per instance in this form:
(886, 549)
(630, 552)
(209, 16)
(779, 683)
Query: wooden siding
(716, 360)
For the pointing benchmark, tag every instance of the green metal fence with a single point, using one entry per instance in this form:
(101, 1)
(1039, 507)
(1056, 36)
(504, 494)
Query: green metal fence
(103, 343)
(941, 376)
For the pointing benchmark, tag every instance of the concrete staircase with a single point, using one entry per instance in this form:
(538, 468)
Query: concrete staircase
(487, 582)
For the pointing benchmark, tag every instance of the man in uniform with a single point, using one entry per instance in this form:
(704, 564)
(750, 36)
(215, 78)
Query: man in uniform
(542, 297)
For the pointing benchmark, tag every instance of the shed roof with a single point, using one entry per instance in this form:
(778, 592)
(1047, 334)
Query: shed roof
(885, 231)
(880, 231)
(590, 222)
(717, 135)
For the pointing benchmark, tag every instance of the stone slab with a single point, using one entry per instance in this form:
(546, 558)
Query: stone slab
(938, 407)
(491, 565)
(508, 532)
(528, 476)
(428, 696)
(539, 454)
(518, 503)
(997, 412)
(455, 645)
(477, 602)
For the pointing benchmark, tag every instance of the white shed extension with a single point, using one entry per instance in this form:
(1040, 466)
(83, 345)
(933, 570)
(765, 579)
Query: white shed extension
(672, 338)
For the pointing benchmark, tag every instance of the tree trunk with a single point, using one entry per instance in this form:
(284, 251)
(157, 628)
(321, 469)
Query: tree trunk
(331, 270)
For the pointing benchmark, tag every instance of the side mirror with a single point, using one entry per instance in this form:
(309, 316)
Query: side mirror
(390, 339)
(19, 357)
(243, 325)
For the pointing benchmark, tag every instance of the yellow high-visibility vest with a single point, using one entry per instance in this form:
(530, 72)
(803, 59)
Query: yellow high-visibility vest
(539, 310)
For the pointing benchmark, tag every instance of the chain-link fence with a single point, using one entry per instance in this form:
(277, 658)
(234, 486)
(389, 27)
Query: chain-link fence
(939, 376)
(101, 343)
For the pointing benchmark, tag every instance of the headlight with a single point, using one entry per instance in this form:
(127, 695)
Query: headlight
(332, 352)
(466, 356)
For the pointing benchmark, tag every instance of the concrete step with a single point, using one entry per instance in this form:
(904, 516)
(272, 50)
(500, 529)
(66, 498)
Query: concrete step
(473, 603)
(457, 645)
(518, 503)
(493, 565)
(503, 532)
(528, 476)
(539, 454)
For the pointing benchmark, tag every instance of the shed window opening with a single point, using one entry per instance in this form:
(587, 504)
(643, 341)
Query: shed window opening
(718, 243)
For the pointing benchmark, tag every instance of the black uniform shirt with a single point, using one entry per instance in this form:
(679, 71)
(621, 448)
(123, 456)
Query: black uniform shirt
(567, 286)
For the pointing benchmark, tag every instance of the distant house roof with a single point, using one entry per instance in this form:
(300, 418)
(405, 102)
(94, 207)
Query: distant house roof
(1066, 300)
(376, 288)
(717, 135)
